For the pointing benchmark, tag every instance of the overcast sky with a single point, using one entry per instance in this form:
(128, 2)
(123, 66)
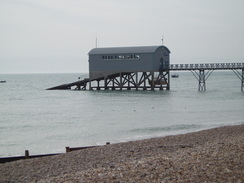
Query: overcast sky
(54, 36)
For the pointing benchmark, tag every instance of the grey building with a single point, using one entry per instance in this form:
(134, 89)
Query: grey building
(107, 61)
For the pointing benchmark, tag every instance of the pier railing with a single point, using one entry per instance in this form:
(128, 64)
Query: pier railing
(212, 66)
(198, 71)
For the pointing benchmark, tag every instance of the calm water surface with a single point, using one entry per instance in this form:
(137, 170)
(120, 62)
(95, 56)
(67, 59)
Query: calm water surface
(44, 121)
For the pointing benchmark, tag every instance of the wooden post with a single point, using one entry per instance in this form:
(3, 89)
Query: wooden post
(67, 149)
(26, 154)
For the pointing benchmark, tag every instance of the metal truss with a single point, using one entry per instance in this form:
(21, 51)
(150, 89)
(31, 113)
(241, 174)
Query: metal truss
(240, 75)
(134, 80)
(201, 77)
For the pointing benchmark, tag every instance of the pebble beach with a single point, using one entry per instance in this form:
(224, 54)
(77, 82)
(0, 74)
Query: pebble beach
(214, 155)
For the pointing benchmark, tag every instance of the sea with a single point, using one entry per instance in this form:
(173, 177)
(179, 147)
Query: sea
(46, 121)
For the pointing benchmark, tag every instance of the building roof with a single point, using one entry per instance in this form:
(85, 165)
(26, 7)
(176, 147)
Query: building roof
(120, 50)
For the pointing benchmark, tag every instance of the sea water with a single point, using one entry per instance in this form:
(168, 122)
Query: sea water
(46, 121)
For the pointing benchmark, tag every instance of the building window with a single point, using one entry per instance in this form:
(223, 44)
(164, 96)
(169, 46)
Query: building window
(121, 57)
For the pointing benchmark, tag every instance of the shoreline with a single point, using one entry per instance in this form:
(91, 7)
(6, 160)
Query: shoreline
(63, 150)
(214, 155)
(42, 154)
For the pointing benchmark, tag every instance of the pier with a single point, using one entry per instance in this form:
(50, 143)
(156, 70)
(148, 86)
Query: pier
(154, 80)
(203, 71)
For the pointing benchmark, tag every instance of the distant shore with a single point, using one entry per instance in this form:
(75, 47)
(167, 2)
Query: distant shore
(214, 155)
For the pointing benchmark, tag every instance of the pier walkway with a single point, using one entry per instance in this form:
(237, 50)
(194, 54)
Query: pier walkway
(198, 70)
(210, 66)
(133, 80)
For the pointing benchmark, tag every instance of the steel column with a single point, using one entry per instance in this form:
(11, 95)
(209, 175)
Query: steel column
(201, 80)
(242, 80)
(201, 77)
(240, 76)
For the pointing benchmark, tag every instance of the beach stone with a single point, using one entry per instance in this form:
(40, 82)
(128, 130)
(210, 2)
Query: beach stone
(214, 155)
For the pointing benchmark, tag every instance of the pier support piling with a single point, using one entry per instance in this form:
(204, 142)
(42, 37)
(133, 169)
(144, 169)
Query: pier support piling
(201, 76)
(240, 75)
(202, 83)
(242, 80)
(133, 80)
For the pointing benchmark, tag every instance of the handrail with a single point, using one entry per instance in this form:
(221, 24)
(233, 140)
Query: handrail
(214, 66)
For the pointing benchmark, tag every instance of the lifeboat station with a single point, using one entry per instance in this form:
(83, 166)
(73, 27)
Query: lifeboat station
(141, 68)
(128, 68)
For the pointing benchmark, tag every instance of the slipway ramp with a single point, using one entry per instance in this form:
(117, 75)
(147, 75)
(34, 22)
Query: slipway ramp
(80, 85)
